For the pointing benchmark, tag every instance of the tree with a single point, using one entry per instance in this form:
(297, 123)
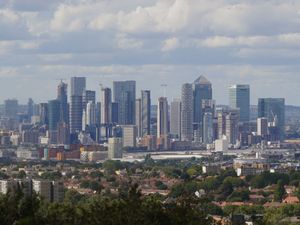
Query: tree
(279, 191)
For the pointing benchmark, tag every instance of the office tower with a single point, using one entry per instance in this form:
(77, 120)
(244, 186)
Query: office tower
(228, 121)
(115, 146)
(239, 98)
(30, 105)
(11, 107)
(76, 107)
(162, 117)
(54, 118)
(208, 132)
(88, 96)
(63, 133)
(78, 86)
(106, 106)
(274, 110)
(129, 135)
(90, 114)
(138, 116)
(187, 112)
(175, 119)
(124, 95)
(145, 112)
(114, 112)
(62, 96)
(202, 90)
(232, 126)
(262, 126)
(76, 111)
(43, 113)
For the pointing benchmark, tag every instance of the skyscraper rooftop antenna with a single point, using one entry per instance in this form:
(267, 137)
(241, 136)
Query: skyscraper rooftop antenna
(164, 87)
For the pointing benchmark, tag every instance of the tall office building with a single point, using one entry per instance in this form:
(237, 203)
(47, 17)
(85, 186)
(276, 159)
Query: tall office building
(106, 106)
(78, 86)
(62, 96)
(90, 114)
(187, 112)
(11, 108)
(30, 106)
(202, 90)
(43, 113)
(232, 127)
(208, 132)
(124, 95)
(262, 126)
(63, 133)
(138, 116)
(145, 112)
(88, 96)
(175, 118)
(239, 98)
(274, 110)
(76, 111)
(162, 117)
(54, 118)
(228, 121)
(76, 104)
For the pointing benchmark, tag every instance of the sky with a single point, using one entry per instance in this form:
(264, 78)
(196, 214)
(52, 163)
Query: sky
(154, 42)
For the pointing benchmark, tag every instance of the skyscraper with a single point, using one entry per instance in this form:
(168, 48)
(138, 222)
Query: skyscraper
(54, 118)
(106, 106)
(145, 112)
(187, 112)
(138, 116)
(175, 118)
(228, 121)
(239, 98)
(124, 95)
(232, 126)
(62, 96)
(208, 134)
(88, 96)
(90, 114)
(202, 90)
(76, 111)
(78, 85)
(43, 113)
(30, 105)
(162, 117)
(11, 107)
(274, 110)
(76, 105)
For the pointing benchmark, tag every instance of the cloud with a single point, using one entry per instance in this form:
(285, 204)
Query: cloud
(170, 44)
(162, 38)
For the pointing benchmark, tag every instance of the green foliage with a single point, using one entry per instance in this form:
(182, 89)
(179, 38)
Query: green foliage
(126, 210)
(279, 191)
(51, 175)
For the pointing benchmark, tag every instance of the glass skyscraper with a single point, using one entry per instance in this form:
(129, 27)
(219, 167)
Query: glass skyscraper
(124, 95)
(239, 98)
(274, 110)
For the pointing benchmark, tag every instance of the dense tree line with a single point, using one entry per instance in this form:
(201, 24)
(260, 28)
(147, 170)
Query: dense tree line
(127, 209)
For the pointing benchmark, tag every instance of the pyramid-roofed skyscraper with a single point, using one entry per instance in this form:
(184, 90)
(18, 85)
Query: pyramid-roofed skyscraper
(202, 88)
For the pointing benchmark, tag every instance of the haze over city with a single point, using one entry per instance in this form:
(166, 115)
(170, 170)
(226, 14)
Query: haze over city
(153, 42)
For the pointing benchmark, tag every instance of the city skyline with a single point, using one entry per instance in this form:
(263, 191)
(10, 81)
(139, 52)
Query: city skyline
(153, 42)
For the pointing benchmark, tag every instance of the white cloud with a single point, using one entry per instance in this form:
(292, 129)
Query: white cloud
(124, 42)
(170, 44)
